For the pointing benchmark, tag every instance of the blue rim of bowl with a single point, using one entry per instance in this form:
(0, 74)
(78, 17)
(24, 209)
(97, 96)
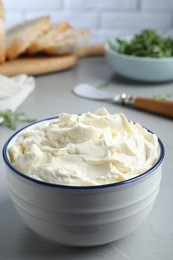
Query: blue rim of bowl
(70, 187)
(132, 57)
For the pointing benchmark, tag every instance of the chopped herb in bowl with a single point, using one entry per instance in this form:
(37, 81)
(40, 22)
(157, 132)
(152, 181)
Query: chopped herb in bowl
(146, 44)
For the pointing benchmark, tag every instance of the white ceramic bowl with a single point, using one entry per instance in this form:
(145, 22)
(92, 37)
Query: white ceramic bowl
(83, 216)
(139, 68)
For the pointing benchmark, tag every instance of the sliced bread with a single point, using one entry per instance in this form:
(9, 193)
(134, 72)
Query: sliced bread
(45, 40)
(68, 42)
(2, 33)
(20, 36)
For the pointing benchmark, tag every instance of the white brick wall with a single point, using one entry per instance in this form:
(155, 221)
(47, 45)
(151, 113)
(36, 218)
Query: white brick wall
(105, 18)
(135, 20)
(101, 4)
(157, 5)
(30, 5)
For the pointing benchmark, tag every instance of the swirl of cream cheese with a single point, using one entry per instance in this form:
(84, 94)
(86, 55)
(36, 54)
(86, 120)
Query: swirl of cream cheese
(84, 150)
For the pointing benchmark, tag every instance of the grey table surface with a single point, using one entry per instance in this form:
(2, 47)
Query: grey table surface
(53, 95)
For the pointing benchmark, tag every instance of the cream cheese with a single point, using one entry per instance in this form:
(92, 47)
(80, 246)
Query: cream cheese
(84, 150)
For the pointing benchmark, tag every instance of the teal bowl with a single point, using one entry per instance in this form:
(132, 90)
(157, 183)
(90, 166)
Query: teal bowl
(139, 68)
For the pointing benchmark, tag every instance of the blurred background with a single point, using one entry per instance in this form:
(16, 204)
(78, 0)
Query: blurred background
(104, 18)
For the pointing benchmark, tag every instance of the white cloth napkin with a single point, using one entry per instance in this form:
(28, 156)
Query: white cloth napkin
(14, 90)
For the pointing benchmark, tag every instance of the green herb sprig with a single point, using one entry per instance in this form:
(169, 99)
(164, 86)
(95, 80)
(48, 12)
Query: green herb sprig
(163, 96)
(11, 119)
(103, 85)
(146, 44)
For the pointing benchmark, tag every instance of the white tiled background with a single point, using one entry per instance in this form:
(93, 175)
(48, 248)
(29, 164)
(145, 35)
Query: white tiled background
(105, 18)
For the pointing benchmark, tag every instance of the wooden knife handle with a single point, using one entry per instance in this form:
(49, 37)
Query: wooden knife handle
(91, 50)
(157, 106)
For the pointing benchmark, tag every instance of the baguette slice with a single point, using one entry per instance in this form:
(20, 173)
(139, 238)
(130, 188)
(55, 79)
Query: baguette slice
(20, 36)
(68, 42)
(45, 40)
(2, 33)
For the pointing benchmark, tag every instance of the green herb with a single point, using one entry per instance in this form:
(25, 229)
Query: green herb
(146, 44)
(163, 96)
(11, 119)
(103, 85)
